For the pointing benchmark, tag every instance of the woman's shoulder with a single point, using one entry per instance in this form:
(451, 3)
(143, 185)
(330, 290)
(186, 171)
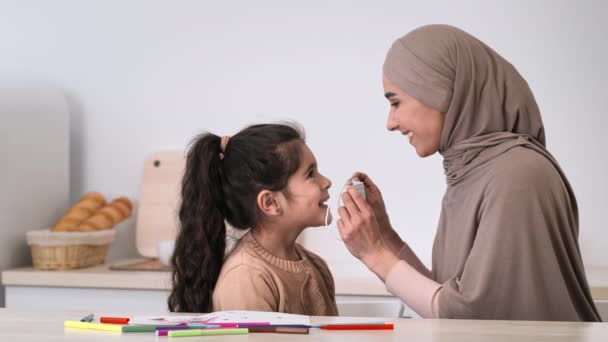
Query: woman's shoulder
(524, 166)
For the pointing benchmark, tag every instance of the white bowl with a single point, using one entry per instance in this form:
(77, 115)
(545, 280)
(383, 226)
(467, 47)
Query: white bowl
(164, 249)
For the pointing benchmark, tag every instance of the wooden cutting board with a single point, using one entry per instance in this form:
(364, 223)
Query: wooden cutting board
(140, 265)
(158, 200)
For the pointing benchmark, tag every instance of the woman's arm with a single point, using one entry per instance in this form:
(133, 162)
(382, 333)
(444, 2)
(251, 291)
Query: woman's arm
(407, 254)
(417, 291)
(405, 281)
(360, 231)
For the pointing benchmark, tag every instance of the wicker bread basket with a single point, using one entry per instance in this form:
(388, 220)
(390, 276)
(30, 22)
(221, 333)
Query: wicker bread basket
(68, 250)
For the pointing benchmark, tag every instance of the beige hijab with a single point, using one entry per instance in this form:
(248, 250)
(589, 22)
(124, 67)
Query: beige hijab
(492, 123)
(485, 100)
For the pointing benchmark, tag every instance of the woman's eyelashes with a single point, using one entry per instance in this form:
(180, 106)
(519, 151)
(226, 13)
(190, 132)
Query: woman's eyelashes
(395, 104)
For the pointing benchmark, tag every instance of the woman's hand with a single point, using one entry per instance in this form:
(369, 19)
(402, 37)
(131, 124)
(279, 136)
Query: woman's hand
(373, 197)
(360, 232)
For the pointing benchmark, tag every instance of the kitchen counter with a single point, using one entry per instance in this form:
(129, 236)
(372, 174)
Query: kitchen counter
(81, 288)
(102, 277)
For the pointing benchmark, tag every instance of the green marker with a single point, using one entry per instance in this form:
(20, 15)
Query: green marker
(208, 332)
(138, 328)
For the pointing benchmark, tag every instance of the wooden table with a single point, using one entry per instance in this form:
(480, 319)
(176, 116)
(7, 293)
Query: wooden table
(21, 326)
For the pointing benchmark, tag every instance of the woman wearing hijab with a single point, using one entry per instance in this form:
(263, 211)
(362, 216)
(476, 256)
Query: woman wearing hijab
(507, 241)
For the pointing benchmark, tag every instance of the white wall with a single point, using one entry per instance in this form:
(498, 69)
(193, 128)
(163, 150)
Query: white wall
(34, 182)
(148, 75)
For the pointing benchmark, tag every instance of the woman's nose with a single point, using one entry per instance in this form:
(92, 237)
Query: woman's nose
(391, 124)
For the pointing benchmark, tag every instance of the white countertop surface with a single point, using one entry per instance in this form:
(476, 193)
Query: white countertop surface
(103, 277)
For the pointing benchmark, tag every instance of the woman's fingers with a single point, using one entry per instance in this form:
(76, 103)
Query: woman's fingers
(344, 214)
(359, 225)
(349, 203)
(357, 213)
(345, 231)
(345, 228)
(357, 199)
(367, 181)
(373, 197)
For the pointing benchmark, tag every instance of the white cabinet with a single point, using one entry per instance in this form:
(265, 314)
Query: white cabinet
(602, 307)
(127, 300)
(100, 289)
(34, 157)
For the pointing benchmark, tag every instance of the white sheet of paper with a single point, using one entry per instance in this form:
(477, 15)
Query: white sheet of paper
(256, 316)
(224, 317)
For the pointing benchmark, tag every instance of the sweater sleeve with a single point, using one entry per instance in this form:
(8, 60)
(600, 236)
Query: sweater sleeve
(419, 292)
(246, 288)
(407, 254)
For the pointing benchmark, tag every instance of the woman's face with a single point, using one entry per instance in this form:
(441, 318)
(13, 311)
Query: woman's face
(421, 124)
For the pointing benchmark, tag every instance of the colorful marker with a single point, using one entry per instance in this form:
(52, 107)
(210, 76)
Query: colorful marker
(207, 332)
(117, 327)
(357, 327)
(114, 320)
(94, 326)
(87, 318)
(278, 330)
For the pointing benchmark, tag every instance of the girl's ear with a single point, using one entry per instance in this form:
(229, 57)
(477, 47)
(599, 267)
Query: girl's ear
(269, 204)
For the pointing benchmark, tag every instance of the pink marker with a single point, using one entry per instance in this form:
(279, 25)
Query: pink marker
(226, 325)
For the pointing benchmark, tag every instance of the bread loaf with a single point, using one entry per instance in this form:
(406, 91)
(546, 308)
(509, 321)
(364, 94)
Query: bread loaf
(108, 216)
(86, 206)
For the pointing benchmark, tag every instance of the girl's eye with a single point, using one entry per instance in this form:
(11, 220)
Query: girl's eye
(395, 104)
(311, 173)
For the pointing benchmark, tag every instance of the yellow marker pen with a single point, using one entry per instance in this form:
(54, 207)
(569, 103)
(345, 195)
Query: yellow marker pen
(94, 326)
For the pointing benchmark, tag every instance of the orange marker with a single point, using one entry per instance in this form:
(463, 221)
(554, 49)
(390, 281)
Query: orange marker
(114, 320)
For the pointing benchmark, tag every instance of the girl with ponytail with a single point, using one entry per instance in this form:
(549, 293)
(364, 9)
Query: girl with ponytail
(264, 179)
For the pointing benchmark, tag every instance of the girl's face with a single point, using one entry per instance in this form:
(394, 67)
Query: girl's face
(421, 124)
(303, 203)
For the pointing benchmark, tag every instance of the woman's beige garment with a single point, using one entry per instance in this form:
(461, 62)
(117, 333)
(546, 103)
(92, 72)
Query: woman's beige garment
(253, 279)
(507, 241)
